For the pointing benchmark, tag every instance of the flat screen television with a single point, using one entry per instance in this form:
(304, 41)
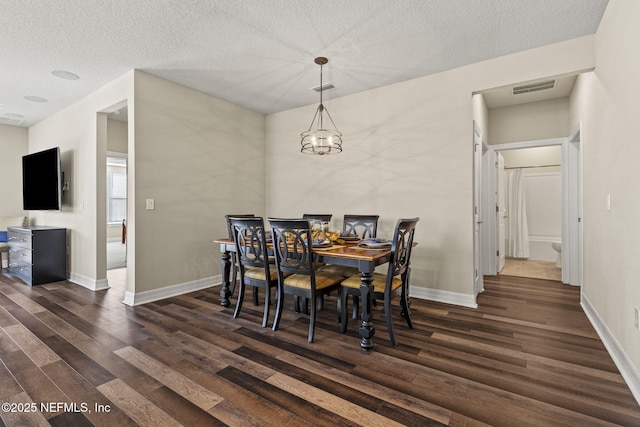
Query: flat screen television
(42, 180)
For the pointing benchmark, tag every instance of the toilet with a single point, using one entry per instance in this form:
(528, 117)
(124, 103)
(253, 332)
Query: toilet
(557, 246)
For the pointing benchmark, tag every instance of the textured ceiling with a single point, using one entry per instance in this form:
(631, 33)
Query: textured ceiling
(259, 53)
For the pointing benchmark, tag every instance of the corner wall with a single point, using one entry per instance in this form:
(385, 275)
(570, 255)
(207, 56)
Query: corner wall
(199, 158)
(607, 102)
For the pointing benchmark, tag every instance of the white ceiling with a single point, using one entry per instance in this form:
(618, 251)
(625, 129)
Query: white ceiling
(259, 53)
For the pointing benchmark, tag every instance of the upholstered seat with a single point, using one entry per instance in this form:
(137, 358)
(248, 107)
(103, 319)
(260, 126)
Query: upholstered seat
(303, 281)
(259, 273)
(379, 282)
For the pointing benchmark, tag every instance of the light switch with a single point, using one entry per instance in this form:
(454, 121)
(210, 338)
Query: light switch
(151, 204)
(609, 202)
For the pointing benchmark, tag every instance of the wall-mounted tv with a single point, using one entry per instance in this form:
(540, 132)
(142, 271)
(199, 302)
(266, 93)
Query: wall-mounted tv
(42, 180)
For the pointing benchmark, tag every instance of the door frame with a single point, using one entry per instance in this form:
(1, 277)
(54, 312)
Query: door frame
(500, 211)
(480, 176)
(571, 175)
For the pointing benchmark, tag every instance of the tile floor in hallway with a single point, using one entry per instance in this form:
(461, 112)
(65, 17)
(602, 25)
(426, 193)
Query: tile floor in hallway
(530, 268)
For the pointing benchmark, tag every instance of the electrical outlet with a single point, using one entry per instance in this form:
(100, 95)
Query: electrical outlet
(636, 318)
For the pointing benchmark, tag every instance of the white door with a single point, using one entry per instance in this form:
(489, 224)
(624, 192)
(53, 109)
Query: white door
(501, 212)
(477, 210)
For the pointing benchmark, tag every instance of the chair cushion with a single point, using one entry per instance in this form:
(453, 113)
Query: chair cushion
(379, 282)
(339, 270)
(258, 274)
(304, 281)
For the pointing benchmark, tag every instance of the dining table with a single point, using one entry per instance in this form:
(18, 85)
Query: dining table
(347, 254)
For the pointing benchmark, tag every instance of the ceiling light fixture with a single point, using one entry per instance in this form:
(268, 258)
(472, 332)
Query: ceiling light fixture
(65, 75)
(318, 140)
(35, 98)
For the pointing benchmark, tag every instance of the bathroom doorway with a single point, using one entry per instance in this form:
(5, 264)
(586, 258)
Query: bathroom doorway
(570, 206)
(529, 213)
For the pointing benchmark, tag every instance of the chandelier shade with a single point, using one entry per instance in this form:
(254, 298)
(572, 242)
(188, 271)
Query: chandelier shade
(319, 139)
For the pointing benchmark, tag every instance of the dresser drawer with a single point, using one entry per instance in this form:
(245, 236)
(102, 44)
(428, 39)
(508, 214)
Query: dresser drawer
(19, 239)
(20, 256)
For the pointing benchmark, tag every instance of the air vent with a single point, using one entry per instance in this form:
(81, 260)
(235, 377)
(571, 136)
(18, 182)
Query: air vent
(533, 87)
(324, 87)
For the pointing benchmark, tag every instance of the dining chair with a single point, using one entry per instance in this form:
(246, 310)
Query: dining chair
(292, 245)
(394, 283)
(363, 226)
(253, 261)
(234, 262)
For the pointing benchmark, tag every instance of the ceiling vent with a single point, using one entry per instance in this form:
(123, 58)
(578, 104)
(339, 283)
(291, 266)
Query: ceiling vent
(533, 87)
(324, 87)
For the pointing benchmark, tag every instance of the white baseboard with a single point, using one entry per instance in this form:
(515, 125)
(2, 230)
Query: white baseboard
(91, 284)
(446, 297)
(144, 297)
(623, 362)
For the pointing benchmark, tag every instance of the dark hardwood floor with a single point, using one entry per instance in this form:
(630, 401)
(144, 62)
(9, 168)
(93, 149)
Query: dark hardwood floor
(526, 357)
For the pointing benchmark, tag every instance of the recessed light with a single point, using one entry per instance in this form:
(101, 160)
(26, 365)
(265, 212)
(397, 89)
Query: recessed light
(14, 115)
(65, 75)
(34, 98)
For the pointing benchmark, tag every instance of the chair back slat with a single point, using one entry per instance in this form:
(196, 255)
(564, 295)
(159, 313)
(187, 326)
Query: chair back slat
(250, 238)
(292, 245)
(401, 247)
(228, 218)
(363, 226)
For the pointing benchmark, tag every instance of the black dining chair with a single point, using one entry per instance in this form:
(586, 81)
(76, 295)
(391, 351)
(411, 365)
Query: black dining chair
(363, 226)
(394, 283)
(234, 262)
(253, 261)
(292, 246)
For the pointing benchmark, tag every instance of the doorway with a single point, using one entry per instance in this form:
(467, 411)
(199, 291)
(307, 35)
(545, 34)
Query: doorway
(529, 232)
(116, 210)
(568, 172)
(115, 182)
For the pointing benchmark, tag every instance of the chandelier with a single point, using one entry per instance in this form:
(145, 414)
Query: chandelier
(318, 139)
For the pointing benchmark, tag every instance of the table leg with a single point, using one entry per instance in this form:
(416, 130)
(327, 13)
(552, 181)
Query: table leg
(225, 265)
(367, 331)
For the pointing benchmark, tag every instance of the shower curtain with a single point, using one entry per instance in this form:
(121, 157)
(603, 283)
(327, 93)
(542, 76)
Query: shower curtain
(516, 230)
